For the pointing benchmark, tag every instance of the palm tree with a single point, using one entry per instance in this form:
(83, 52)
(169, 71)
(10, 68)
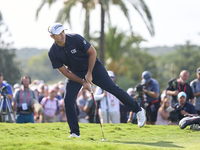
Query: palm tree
(65, 12)
(139, 5)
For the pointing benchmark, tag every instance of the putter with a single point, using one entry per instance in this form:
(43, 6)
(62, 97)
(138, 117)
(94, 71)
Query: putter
(97, 113)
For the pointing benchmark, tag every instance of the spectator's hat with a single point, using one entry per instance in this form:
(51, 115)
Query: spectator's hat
(111, 74)
(130, 90)
(146, 77)
(40, 87)
(56, 28)
(182, 94)
(198, 70)
(52, 90)
(16, 86)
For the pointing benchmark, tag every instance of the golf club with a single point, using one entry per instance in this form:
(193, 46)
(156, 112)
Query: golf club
(97, 113)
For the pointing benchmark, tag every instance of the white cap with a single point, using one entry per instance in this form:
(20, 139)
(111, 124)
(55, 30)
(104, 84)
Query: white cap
(130, 90)
(111, 74)
(56, 28)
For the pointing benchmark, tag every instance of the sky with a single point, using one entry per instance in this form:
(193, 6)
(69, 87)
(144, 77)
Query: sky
(175, 22)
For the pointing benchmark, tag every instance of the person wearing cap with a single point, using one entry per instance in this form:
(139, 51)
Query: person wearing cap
(195, 85)
(9, 95)
(109, 105)
(50, 105)
(77, 60)
(151, 102)
(179, 85)
(183, 106)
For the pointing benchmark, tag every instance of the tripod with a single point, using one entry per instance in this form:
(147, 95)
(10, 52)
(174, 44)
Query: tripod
(6, 115)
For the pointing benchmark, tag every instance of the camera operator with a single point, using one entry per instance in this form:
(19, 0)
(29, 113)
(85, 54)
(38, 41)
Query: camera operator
(183, 106)
(180, 85)
(151, 97)
(9, 92)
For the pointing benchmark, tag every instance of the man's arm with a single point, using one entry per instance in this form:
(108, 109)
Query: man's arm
(67, 73)
(91, 62)
(151, 93)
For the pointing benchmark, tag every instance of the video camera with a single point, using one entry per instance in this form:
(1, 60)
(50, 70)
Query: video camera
(3, 90)
(139, 93)
(173, 115)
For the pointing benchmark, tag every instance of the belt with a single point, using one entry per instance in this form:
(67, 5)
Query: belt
(153, 102)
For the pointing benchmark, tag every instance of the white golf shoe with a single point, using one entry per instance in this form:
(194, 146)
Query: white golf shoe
(74, 135)
(141, 117)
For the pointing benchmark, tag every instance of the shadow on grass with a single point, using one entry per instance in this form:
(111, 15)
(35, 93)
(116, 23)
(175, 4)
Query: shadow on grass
(156, 144)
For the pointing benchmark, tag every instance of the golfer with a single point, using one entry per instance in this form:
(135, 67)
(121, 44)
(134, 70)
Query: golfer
(76, 59)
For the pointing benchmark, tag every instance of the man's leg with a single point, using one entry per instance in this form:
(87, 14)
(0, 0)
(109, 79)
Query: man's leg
(72, 89)
(115, 117)
(103, 116)
(101, 78)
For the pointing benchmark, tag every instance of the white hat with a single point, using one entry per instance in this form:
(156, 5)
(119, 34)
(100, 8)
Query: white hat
(56, 28)
(130, 90)
(111, 74)
(16, 86)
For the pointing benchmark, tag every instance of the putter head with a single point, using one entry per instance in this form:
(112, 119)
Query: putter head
(103, 139)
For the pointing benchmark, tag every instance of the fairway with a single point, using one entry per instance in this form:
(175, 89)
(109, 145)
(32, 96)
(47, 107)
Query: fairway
(54, 136)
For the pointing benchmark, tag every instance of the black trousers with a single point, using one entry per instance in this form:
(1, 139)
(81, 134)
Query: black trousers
(101, 79)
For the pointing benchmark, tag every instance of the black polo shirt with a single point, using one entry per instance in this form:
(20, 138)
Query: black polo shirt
(185, 88)
(74, 54)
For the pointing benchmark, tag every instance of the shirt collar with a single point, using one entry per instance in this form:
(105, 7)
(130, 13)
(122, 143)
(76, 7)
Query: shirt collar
(66, 43)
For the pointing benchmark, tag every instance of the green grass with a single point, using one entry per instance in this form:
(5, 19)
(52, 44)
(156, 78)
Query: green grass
(54, 136)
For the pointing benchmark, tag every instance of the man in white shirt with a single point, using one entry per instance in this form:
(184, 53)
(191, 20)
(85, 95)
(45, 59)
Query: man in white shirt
(109, 110)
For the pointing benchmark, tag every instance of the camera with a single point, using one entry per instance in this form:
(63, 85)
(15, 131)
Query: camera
(139, 93)
(3, 90)
(173, 115)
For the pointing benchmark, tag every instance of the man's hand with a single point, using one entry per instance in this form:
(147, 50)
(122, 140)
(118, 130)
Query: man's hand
(183, 112)
(88, 78)
(86, 86)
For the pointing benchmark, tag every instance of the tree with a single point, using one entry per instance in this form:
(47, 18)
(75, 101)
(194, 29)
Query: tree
(186, 57)
(139, 5)
(125, 58)
(8, 65)
(39, 67)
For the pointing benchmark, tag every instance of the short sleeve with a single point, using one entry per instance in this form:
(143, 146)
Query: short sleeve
(82, 43)
(54, 61)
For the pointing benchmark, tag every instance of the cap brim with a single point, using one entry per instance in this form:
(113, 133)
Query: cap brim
(59, 31)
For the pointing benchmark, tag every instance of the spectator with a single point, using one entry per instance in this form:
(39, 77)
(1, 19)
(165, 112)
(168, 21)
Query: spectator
(183, 107)
(22, 101)
(163, 114)
(90, 109)
(10, 97)
(179, 85)
(57, 89)
(16, 87)
(151, 101)
(50, 105)
(109, 104)
(81, 101)
(41, 91)
(195, 84)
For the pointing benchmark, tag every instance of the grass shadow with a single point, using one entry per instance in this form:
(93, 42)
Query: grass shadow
(166, 144)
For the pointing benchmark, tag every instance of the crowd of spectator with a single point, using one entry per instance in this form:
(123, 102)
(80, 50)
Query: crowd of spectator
(166, 108)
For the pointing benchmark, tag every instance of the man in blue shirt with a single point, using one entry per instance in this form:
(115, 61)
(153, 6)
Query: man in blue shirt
(9, 93)
(83, 68)
(151, 92)
(186, 107)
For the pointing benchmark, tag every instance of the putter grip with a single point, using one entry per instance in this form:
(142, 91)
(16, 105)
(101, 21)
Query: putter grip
(91, 88)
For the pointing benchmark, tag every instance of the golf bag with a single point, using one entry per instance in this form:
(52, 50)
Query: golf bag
(192, 120)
